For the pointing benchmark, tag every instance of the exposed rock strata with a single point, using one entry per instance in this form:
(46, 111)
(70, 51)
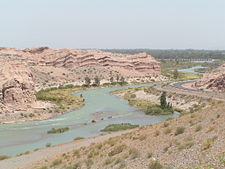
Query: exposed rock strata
(214, 80)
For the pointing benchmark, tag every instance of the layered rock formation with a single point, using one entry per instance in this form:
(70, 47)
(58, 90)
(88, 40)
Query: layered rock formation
(214, 80)
(50, 66)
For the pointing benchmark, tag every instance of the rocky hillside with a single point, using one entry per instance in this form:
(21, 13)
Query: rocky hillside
(50, 67)
(214, 80)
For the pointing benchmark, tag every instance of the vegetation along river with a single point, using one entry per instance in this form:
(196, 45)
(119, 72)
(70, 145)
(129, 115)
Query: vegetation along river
(100, 106)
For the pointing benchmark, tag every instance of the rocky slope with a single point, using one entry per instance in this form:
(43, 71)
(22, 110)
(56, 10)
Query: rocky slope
(214, 80)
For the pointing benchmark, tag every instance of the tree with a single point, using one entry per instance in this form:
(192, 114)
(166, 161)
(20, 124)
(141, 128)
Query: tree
(163, 101)
(175, 74)
(97, 81)
(111, 79)
(87, 81)
(117, 78)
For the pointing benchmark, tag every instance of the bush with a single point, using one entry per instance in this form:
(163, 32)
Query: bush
(134, 153)
(89, 163)
(118, 127)
(157, 110)
(154, 110)
(56, 162)
(149, 154)
(48, 145)
(117, 150)
(3, 157)
(155, 165)
(59, 130)
(167, 131)
(75, 166)
(76, 153)
(186, 145)
(198, 128)
(108, 161)
(179, 130)
(157, 133)
(208, 143)
(78, 138)
(132, 96)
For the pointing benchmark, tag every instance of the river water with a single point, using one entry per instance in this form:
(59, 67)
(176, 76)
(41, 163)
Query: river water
(100, 105)
(191, 70)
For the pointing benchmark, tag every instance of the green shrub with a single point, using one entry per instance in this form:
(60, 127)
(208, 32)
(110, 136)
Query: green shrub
(75, 166)
(118, 127)
(76, 153)
(89, 163)
(48, 145)
(179, 130)
(167, 131)
(108, 161)
(44, 167)
(3, 157)
(78, 138)
(133, 96)
(208, 143)
(198, 128)
(186, 145)
(59, 130)
(157, 110)
(157, 133)
(149, 154)
(117, 150)
(155, 165)
(134, 153)
(56, 162)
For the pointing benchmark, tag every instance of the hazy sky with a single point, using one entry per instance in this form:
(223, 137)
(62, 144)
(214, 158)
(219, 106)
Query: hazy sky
(198, 24)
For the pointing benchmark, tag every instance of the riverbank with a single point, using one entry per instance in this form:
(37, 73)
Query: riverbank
(32, 159)
(145, 97)
(193, 141)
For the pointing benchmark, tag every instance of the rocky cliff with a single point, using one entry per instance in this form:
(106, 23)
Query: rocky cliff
(214, 80)
(16, 83)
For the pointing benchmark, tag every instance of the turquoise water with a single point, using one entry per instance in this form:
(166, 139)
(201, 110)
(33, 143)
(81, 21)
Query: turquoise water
(191, 70)
(100, 105)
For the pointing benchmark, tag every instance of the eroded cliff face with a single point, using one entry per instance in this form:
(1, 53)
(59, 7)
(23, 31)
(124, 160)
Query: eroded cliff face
(16, 84)
(214, 80)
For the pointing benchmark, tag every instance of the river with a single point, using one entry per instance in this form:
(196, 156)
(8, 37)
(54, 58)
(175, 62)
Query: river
(100, 105)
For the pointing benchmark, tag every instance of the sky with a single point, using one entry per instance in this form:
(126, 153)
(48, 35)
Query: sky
(154, 24)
